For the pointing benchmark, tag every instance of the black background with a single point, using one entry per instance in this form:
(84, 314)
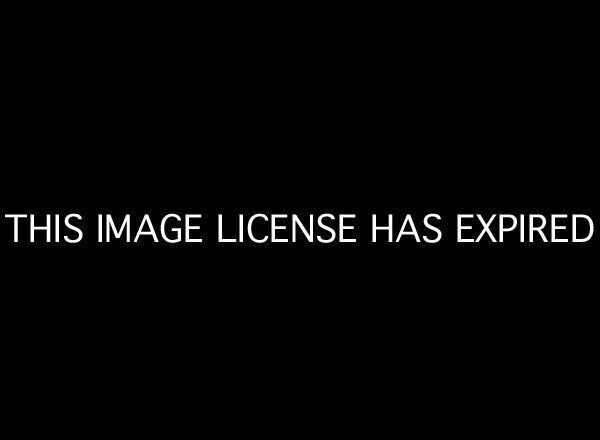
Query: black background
(381, 113)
